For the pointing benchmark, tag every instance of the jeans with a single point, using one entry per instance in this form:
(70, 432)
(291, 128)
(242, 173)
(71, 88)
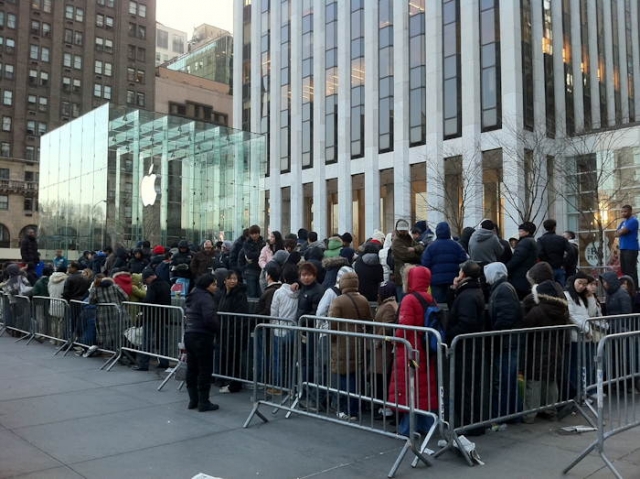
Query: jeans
(347, 382)
(439, 292)
(253, 284)
(423, 424)
(560, 276)
(199, 360)
(282, 359)
(506, 399)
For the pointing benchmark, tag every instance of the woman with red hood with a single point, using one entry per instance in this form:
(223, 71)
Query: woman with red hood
(416, 281)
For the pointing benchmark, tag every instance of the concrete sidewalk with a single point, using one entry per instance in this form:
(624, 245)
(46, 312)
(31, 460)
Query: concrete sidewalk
(61, 417)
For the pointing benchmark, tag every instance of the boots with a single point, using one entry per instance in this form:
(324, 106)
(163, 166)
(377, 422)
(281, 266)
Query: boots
(203, 400)
(193, 398)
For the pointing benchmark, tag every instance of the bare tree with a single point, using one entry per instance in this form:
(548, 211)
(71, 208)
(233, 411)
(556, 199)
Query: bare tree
(596, 177)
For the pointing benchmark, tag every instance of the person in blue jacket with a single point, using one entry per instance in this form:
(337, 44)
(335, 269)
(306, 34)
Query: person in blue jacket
(443, 257)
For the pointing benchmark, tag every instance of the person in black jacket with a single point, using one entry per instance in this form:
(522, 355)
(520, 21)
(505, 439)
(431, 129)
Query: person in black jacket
(552, 248)
(248, 260)
(156, 322)
(466, 315)
(201, 328)
(75, 286)
(234, 331)
(505, 313)
(369, 271)
(524, 257)
(29, 248)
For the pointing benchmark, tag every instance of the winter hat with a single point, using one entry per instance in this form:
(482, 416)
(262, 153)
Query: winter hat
(386, 290)
(158, 249)
(529, 227)
(378, 236)
(281, 256)
(471, 269)
(547, 288)
(402, 225)
(343, 270)
(494, 271)
(539, 272)
(333, 248)
(228, 245)
(348, 281)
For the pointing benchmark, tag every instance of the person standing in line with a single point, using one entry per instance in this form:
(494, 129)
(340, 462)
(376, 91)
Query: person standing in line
(29, 248)
(627, 233)
(553, 249)
(523, 259)
(59, 260)
(201, 328)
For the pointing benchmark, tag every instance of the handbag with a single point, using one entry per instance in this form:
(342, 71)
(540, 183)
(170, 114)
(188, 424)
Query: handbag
(134, 335)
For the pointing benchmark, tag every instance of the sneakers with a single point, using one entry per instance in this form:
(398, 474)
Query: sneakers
(90, 352)
(343, 416)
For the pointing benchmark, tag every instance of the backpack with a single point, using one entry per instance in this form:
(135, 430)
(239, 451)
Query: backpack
(434, 318)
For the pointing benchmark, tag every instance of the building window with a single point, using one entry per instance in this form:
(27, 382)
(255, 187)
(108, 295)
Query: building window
(331, 83)
(307, 86)
(385, 79)
(11, 21)
(547, 51)
(417, 74)
(9, 45)
(34, 52)
(30, 205)
(131, 52)
(67, 58)
(131, 97)
(108, 69)
(567, 57)
(79, 15)
(5, 149)
(97, 69)
(527, 64)
(5, 238)
(108, 22)
(452, 120)
(68, 35)
(42, 128)
(44, 78)
(99, 20)
(32, 100)
(77, 62)
(142, 11)
(106, 92)
(357, 79)
(133, 8)
(490, 65)
(66, 84)
(30, 153)
(7, 97)
(5, 174)
(97, 90)
(141, 57)
(46, 29)
(108, 45)
(8, 72)
(35, 27)
(43, 103)
(140, 99)
(6, 123)
(78, 38)
(4, 202)
(68, 12)
(162, 39)
(76, 85)
(140, 77)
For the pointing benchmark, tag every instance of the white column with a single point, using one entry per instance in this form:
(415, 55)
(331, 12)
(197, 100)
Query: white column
(622, 61)
(320, 211)
(401, 170)
(371, 121)
(434, 109)
(273, 182)
(576, 61)
(345, 194)
(593, 63)
(295, 75)
(471, 107)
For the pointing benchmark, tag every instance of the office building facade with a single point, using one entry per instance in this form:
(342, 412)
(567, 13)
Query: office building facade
(58, 60)
(439, 109)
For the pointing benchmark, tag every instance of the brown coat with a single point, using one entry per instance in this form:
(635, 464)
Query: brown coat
(386, 313)
(347, 354)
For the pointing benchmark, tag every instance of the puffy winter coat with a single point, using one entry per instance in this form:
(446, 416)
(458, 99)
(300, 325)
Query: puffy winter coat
(418, 279)
(370, 275)
(443, 256)
(524, 257)
(347, 353)
(200, 313)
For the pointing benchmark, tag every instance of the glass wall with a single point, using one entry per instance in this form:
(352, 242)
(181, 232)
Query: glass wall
(211, 61)
(117, 177)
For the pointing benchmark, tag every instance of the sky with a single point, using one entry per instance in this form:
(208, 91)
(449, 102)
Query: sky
(186, 14)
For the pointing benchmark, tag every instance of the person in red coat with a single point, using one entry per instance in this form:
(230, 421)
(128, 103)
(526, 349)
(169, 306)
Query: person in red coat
(417, 279)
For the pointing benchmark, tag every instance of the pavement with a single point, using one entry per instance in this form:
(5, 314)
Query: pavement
(63, 418)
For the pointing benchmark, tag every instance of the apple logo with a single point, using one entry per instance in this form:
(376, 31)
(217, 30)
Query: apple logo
(148, 188)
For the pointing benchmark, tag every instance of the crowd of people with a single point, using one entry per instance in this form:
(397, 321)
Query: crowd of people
(487, 282)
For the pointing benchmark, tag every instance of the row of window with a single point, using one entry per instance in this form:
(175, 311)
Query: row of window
(7, 44)
(7, 70)
(31, 176)
(30, 205)
(8, 20)
(139, 9)
(31, 152)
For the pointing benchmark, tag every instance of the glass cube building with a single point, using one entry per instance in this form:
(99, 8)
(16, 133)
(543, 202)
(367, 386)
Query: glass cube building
(116, 177)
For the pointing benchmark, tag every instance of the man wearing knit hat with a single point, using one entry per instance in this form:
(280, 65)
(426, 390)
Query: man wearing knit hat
(524, 257)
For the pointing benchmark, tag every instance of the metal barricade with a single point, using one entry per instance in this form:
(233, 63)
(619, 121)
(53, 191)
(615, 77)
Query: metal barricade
(233, 350)
(150, 330)
(379, 375)
(5, 318)
(499, 376)
(617, 405)
(17, 316)
(50, 316)
(346, 386)
(595, 330)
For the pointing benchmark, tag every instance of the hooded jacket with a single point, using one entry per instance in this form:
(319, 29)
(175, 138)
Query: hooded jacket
(401, 254)
(333, 247)
(383, 255)
(618, 300)
(484, 246)
(505, 311)
(347, 353)
(56, 284)
(466, 313)
(443, 256)
(369, 272)
(417, 280)
(284, 305)
(123, 279)
(331, 267)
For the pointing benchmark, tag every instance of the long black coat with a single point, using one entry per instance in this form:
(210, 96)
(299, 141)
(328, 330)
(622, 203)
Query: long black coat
(29, 250)
(466, 313)
(524, 257)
